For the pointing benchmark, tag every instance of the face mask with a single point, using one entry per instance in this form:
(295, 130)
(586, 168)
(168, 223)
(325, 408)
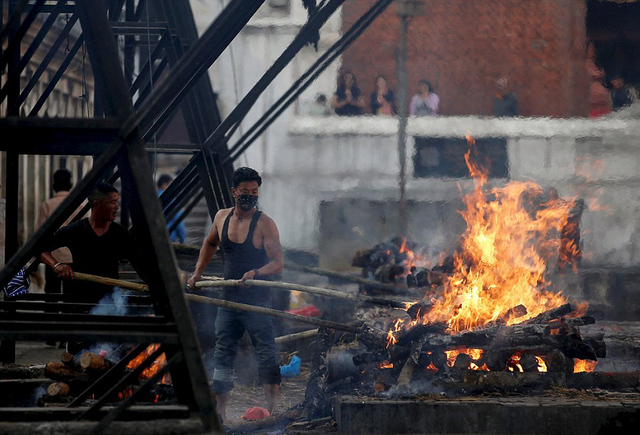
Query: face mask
(247, 202)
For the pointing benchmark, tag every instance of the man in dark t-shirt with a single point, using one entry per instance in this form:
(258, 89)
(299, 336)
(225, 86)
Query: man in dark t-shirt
(97, 245)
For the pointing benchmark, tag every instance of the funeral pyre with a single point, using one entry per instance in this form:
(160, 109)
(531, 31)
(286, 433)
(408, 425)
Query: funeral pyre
(489, 306)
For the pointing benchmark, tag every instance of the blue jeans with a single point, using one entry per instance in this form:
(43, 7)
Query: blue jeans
(230, 326)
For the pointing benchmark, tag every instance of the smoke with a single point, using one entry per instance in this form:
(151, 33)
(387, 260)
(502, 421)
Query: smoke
(113, 304)
(40, 392)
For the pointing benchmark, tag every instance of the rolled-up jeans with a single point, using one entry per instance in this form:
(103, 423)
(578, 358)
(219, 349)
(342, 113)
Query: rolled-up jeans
(230, 326)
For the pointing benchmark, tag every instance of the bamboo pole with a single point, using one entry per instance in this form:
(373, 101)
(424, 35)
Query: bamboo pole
(271, 312)
(304, 288)
(296, 336)
(346, 277)
(111, 281)
(227, 304)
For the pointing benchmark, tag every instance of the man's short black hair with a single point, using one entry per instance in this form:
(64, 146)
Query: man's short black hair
(101, 192)
(164, 179)
(62, 180)
(243, 174)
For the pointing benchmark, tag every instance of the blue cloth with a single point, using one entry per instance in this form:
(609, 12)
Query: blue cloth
(19, 284)
(178, 235)
(230, 327)
(292, 369)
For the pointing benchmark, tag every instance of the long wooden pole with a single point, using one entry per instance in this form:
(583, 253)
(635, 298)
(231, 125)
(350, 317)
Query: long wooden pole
(346, 277)
(296, 336)
(111, 281)
(304, 288)
(271, 312)
(225, 304)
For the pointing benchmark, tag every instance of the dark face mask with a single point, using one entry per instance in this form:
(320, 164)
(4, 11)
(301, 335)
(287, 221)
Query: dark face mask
(247, 202)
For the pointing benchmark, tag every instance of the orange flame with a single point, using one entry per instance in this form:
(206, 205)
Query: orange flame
(154, 367)
(583, 365)
(385, 365)
(513, 233)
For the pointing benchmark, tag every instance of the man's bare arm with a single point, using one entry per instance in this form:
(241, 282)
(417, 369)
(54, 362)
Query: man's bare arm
(63, 270)
(271, 243)
(207, 251)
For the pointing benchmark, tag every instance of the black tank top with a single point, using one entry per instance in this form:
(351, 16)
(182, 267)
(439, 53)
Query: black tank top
(240, 258)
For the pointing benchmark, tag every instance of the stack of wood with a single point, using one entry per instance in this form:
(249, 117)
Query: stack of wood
(551, 339)
(73, 374)
(383, 262)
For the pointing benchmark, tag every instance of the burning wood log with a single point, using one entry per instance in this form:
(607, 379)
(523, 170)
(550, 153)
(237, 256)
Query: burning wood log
(58, 389)
(404, 378)
(573, 322)
(529, 363)
(552, 314)
(60, 372)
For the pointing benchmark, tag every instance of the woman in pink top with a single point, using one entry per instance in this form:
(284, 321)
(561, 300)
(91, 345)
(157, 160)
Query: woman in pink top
(425, 102)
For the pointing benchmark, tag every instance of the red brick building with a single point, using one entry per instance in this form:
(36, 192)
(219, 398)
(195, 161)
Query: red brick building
(461, 46)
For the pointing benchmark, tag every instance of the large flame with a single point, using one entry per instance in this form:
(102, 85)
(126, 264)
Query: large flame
(513, 233)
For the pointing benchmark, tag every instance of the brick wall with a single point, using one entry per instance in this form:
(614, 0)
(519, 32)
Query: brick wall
(462, 45)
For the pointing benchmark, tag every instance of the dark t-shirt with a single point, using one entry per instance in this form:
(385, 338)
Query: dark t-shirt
(96, 255)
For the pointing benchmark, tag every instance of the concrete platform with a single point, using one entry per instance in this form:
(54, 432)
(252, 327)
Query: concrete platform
(579, 414)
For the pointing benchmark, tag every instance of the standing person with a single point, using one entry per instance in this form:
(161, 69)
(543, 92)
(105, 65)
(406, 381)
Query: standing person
(504, 103)
(382, 99)
(347, 100)
(97, 245)
(425, 102)
(179, 235)
(622, 94)
(250, 245)
(61, 186)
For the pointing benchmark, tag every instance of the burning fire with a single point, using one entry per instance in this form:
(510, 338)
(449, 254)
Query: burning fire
(513, 233)
(583, 365)
(154, 367)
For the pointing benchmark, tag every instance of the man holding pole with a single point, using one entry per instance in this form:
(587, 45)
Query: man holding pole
(250, 244)
(97, 245)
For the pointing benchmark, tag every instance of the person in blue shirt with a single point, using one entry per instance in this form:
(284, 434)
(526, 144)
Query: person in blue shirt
(178, 235)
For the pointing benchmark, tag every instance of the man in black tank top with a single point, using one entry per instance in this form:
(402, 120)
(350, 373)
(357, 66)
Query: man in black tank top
(250, 244)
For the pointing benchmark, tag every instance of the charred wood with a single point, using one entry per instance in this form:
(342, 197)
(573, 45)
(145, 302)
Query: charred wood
(573, 322)
(462, 362)
(417, 332)
(372, 357)
(316, 402)
(554, 313)
(439, 359)
(496, 359)
(419, 309)
(557, 362)
(372, 338)
(529, 363)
